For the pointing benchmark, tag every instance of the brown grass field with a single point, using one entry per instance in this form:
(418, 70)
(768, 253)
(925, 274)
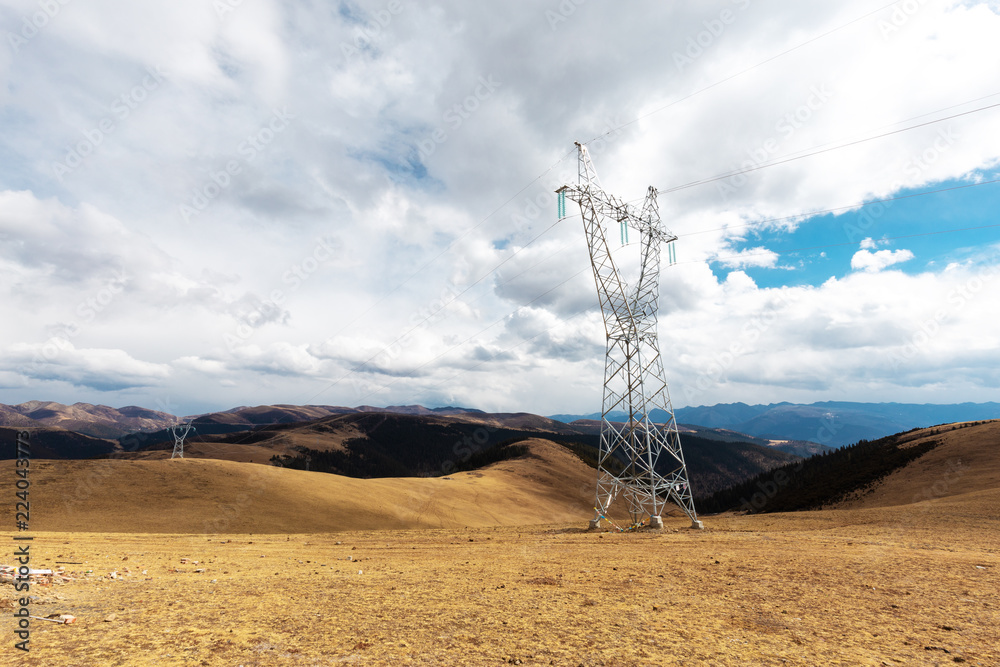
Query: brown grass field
(495, 568)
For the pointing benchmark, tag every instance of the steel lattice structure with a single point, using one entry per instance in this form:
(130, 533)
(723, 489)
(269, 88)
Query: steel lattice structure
(639, 459)
(180, 432)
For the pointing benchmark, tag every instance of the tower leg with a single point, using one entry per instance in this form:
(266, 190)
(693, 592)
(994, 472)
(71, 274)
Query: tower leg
(656, 523)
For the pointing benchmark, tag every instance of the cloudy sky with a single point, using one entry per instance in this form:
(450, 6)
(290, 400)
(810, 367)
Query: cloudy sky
(212, 203)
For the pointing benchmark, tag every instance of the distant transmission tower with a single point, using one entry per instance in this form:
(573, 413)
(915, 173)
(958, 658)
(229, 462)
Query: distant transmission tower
(639, 459)
(180, 432)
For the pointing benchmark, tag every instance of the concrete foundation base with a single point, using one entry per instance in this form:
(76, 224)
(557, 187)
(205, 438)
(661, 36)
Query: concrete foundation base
(697, 525)
(594, 524)
(656, 523)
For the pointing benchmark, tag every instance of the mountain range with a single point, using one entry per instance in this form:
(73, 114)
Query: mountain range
(363, 442)
(831, 423)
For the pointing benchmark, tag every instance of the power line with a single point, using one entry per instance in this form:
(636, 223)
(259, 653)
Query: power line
(401, 337)
(742, 72)
(451, 245)
(613, 130)
(717, 259)
(842, 208)
(426, 319)
(840, 245)
(484, 330)
(776, 162)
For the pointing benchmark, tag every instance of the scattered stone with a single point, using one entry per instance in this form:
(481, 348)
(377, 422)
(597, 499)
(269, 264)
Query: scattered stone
(110, 618)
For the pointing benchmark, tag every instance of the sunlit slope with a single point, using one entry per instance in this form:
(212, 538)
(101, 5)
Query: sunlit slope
(967, 460)
(202, 495)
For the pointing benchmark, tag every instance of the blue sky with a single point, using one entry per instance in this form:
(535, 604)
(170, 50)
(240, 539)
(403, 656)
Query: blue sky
(205, 205)
(938, 228)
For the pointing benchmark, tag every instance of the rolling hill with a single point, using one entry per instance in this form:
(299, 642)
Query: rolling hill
(547, 485)
(56, 443)
(909, 467)
(373, 444)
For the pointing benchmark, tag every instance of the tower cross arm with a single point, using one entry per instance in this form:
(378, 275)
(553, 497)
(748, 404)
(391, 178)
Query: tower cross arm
(609, 206)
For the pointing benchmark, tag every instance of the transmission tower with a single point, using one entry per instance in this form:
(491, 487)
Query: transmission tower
(180, 432)
(639, 459)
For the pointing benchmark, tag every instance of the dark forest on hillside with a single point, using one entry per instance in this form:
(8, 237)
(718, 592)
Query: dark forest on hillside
(823, 479)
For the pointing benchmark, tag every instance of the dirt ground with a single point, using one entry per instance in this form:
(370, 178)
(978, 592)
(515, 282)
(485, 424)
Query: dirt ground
(912, 585)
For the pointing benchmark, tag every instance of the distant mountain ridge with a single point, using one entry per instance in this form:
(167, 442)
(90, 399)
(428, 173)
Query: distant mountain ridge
(398, 441)
(102, 421)
(832, 423)
(97, 421)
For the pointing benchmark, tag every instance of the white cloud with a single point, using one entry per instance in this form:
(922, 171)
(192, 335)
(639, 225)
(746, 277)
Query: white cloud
(58, 360)
(865, 260)
(759, 256)
(248, 304)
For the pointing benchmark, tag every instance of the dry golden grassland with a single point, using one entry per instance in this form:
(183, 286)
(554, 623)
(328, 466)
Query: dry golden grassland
(299, 568)
(906, 585)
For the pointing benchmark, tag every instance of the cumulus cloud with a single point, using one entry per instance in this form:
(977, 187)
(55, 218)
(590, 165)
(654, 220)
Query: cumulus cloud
(746, 257)
(419, 149)
(866, 260)
(58, 360)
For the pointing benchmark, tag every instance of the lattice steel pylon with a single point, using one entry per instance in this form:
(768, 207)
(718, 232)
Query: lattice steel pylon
(180, 432)
(639, 459)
